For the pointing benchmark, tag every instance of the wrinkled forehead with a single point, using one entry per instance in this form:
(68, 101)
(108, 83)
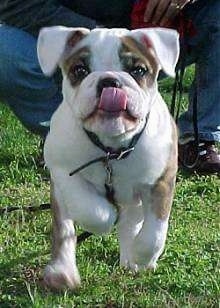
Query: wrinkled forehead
(102, 47)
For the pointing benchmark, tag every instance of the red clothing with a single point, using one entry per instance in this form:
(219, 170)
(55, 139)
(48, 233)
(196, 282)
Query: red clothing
(180, 23)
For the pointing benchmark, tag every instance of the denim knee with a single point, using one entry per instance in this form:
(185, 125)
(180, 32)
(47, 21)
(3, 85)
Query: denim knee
(31, 96)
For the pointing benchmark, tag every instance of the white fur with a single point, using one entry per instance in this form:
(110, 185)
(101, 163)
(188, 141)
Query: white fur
(82, 197)
(63, 268)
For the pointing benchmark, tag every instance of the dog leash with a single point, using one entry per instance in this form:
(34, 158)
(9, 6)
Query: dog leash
(44, 206)
(30, 208)
(119, 154)
(104, 158)
(111, 154)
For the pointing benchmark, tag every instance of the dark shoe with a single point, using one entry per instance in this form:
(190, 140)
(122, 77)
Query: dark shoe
(203, 159)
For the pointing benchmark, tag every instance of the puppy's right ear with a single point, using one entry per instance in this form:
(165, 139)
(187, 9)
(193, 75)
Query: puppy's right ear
(54, 44)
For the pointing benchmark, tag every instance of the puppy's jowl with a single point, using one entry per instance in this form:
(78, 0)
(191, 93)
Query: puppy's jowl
(111, 110)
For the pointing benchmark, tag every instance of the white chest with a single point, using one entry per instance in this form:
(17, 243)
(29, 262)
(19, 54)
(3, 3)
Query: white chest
(127, 176)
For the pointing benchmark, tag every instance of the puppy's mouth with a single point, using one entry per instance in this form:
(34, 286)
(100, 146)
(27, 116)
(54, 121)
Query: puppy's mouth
(112, 104)
(113, 100)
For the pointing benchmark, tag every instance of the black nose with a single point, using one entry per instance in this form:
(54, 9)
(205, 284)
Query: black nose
(108, 82)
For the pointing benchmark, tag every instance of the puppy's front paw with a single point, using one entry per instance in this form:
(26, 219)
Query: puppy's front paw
(141, 267)
(145, 254)
(57, 276)
(137, 263)
(137, 267)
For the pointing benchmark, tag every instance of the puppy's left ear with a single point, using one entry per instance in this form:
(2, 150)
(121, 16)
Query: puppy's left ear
(165, 43)
(54, 43)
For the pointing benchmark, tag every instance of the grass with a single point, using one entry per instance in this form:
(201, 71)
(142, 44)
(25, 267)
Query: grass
(187, 272)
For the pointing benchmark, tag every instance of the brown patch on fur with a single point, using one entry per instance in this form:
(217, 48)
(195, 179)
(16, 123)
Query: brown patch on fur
(56, 223)
(75, 38)
(163, 190)
(80, 57)
(144, 55)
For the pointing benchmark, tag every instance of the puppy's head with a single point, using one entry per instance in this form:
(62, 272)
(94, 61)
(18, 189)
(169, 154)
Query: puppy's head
(109, 75)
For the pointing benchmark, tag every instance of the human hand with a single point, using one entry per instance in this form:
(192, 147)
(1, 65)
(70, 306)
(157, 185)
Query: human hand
(162, 12)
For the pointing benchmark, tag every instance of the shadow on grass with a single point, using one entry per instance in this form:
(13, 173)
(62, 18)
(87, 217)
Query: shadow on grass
(28, 267)
(16, 274)
(192, 175)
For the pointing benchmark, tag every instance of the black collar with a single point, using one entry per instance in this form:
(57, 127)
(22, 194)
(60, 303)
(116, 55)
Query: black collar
(120, 153)
(111, 154)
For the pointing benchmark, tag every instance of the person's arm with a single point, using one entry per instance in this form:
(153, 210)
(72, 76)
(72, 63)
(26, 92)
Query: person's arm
(162, 12)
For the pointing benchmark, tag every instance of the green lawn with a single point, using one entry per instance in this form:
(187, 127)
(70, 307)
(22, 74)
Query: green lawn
(187, 271)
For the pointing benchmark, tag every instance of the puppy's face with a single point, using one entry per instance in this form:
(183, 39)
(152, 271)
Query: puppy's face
(109, 83)
(109, 76)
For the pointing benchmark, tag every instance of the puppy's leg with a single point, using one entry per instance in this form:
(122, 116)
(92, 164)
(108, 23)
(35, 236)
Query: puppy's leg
(62, 271)
(85, 204)
(129, 224)
(157, 200)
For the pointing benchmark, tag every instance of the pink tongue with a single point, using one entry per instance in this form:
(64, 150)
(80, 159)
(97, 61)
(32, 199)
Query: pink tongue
(113, 99)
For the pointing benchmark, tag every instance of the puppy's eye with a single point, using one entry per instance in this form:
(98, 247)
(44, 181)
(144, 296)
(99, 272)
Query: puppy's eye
(79, 71)
(138, 71)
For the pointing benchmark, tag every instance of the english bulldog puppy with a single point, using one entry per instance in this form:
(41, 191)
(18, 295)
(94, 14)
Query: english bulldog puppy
(112, 146)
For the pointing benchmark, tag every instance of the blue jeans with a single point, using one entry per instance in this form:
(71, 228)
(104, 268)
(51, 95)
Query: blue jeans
(31, 96)
(204, 51)
(34, 97)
